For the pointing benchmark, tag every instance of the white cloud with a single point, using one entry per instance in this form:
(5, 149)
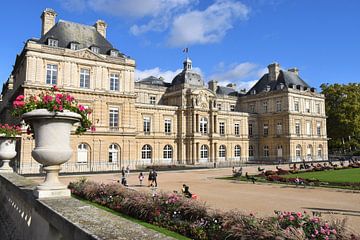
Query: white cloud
(208, 26)
(168, 75)
(245, 75)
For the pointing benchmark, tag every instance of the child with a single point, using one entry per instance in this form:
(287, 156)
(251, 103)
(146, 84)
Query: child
(141, 178)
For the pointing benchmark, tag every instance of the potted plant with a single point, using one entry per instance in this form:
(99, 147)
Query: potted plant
(51, 116)
(7, 145)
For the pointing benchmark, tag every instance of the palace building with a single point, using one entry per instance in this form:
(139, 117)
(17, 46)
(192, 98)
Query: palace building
(153, 122)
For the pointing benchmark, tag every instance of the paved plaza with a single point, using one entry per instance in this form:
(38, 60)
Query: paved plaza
(260, 199)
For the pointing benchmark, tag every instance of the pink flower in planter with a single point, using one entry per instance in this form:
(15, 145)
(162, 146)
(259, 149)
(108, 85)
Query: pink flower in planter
(69, 98)
(47, 99)
(316, 232)
(81, 108)
(18, 104)
(60, 108)
(93, 129)
(20, 98)
(55, 88)
(299, 214)
(334, 231)
(291, 218)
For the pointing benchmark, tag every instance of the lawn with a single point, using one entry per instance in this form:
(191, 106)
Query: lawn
(351, 175)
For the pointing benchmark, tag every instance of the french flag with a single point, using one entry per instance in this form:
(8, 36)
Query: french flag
(185, 50)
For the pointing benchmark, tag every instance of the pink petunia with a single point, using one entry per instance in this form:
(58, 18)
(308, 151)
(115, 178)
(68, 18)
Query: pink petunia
(81, 108)
(20, 98)
(291, 218)
(47, 98)
(55, 88)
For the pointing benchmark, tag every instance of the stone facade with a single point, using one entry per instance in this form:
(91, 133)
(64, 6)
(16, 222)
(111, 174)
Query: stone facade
(153, 122)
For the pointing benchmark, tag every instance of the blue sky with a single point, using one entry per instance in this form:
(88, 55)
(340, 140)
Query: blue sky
(228, 40)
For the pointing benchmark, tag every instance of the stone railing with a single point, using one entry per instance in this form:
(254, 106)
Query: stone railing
(22, 216)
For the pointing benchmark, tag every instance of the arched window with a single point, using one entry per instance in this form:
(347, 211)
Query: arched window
(309, 152)
(83, 153)
(113, 153)
(204, 152)
(168, 152)
(298, 152)
(237, 152)
(146, 152)
(320, 152)
(266, 151)
(251, 151)
(279, 151)
(222, 151)
(203, 125)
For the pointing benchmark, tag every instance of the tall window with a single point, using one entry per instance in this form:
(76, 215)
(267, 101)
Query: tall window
(152, 100)
(265, 106)
(222, 128)
(84, 78)
(307, 106)
(237, 129)
(296, 105)
(318, 109)
(318, 128)
(252, 108)
(297, 128)
(279, 151)
(309, 152)
(114, 118)
(278, 105)
(203, 125)
(250, 129)
(298, 152)
(113, 153)
(114, 82)
(168, 152)
(251, 151)
(308, 128)
(204, 153)
(51, 74)
(167, 125)
(222, 151)
(266, 151)
(237, 152)
(319, 152)
(82, 153)
(146, 152)
(147, 123)
(279, 128)
(266, 129)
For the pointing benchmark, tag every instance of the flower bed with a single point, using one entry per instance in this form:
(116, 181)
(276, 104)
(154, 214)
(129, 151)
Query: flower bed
(193, 219)
(7, 130)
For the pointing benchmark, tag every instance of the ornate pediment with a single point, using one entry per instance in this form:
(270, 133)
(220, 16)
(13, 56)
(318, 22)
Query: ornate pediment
(88, 54)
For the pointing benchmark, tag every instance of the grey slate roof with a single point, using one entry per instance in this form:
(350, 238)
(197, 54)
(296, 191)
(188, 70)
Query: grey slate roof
(66, 32)
(154, 81)
(226, 91)
(189, 77)
(285, 77)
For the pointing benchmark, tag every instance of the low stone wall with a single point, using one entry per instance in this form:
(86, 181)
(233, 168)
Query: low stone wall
(24, 217)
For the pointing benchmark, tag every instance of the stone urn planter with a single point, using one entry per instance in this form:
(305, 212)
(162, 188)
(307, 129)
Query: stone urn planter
(7, 152)
(52, 147)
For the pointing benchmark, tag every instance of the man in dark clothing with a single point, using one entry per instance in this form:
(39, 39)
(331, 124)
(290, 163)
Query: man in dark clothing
(155, 177)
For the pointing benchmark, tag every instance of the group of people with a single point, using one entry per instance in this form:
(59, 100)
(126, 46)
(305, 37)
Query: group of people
(152, 177)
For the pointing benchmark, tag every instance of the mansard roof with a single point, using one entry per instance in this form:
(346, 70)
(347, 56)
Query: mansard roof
(154, 81)
(287, 78)
(226, 91)
(66, 32)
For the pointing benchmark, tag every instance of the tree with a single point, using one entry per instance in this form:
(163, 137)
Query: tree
(342, 106)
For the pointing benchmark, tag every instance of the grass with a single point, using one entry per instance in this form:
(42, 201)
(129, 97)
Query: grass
(142, 223)
(351, 175)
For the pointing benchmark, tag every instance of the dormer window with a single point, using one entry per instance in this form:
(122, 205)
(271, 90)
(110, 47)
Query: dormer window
(267, 88)
(53, 42)
(114, 53)
(282, 86)
(74, 46)
(253, 92)
(95, 49)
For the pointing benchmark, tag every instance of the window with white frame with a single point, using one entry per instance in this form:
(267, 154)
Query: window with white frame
(219, 106)
(278, 105)
(318, 128)
(232, 107)
(307, 106)
(113, 153)
(297, 128)
(114, 53)
(74, 46)
(252, 108)
(309, 152)
(114, 82)
(84, 78)
(298, 152)
(266, 151)
(152, 100)
(296, 105)
(279, 151)
(266, 129)
(204, 152)
(167, 126)
(146, 152)
(279, 128)
(265, 106)
(53, 42)
(51, 74)
(168, 152)
(320, 152)
(203, 125)
(222, 128)
(250, 129)
(318, 109)
(83, 153)
(237, 151)
(114, 118)
(251, 151)
(95, 49)
(237, 129)
(147, 125)
(308, 128)
(222, 151)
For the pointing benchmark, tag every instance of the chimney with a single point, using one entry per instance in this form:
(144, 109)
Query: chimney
(274, 70)
(213, 85)
(48, 20)
(231, 85)
(101, 26)
(294, 70)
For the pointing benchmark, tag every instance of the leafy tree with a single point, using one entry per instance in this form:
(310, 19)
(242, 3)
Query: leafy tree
(342, 107)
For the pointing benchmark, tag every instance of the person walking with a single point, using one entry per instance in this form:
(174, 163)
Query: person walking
(155, 177)
(150, 178)
(141, 178)
(127, 171)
